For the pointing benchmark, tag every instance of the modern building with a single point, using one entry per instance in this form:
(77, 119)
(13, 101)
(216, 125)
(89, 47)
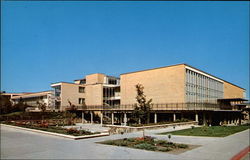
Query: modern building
(34, 99)
(93, 90)
(178, 91)
(178, 84)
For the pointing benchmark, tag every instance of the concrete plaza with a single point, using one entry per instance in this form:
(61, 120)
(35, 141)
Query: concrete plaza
(20, 144)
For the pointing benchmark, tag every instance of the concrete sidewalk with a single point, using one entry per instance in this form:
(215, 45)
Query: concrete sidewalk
(19, 144)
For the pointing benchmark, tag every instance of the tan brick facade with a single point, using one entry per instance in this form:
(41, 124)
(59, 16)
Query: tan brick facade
(163, 85)
(232, 91)
(94, 94)
(70, 92)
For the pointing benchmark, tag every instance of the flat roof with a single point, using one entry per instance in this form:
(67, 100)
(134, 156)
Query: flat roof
(33, 94)
(184, 65)
(63, 82)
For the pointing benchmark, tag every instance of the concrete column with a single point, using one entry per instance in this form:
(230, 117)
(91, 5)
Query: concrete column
(82, 117)
(125, 119)
(174, 117)
(91, 117)
(112, 118)
(155, 120)
(196, 117)
(101, 119)
(139, 120)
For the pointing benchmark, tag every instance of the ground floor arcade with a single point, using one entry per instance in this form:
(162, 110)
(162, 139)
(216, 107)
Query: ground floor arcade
(202, 117)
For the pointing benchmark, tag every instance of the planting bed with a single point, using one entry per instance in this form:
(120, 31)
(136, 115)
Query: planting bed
(149, 143)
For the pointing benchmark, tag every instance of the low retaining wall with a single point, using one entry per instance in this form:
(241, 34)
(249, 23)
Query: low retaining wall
(116, 129)
(58, 134)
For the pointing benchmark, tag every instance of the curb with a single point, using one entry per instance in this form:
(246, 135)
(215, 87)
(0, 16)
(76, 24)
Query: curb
(58, 134)
(241, 154)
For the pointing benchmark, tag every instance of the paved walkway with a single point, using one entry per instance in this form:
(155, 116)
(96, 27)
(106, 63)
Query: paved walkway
(20, 144)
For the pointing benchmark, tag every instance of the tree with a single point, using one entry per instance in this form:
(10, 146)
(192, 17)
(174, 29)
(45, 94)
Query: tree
(142, 107)
(5, 104)
(41, 106)
(72, 107)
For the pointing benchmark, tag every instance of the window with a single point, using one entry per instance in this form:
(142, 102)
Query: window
(112, 81)
(81, 100)
(81, 89)
(83, 81)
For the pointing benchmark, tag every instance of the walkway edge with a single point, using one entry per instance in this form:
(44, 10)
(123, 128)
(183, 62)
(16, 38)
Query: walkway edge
(241, 154)
(57, 134)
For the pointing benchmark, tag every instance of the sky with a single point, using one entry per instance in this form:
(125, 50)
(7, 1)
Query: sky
(53, 41)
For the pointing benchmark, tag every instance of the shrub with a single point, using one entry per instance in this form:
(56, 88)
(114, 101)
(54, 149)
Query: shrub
(145, 146)
(72, 131)
(131, 140)
(161, 142)
(120, 143)
(109, 142)
(44, 125)
(165, 149)
(182, 146)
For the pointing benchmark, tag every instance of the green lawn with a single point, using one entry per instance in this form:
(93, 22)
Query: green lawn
(213, 131)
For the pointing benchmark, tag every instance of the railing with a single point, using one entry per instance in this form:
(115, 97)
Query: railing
(158, 107)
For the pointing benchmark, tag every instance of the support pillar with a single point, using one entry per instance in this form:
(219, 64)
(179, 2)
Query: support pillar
(91, 117)
(82, 117)
(155, 120)
(101, 119)
(125, 119)
(139, 120)
(174, 117)
(112, 118)
(196, 117)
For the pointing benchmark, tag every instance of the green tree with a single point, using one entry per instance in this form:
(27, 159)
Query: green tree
(41, 106)
(142, 107)
(5, 104)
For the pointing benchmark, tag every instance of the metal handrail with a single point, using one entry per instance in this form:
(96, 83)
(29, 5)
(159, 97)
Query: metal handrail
(160, 106)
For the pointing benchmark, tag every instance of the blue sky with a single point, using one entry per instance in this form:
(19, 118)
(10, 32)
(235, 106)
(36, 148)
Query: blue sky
(46, 42)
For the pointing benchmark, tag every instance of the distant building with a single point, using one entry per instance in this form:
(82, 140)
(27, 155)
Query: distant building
(36, 98)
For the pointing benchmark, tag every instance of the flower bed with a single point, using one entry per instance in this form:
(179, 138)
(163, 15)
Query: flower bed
(146, 143)
(48, 128)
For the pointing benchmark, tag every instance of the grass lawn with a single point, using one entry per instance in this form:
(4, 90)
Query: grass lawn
(147, 143)
(213, 131)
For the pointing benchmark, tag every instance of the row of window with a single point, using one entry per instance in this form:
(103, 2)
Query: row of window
(200, 88)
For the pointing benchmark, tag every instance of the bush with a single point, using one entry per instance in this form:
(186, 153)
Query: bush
(109, 142)
(161, 142)
(131, 140)
(165, 149)
(72, 131)
(182, 146)
(145, 146)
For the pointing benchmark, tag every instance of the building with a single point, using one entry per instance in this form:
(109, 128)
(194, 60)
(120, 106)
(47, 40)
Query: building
(93, 90)
(178, 84)
(178, 91)
(35, 99)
